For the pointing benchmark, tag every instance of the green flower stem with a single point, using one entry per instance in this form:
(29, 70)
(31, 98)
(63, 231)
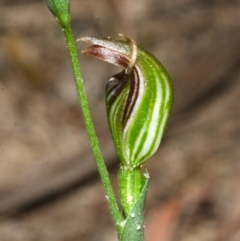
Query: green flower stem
(117, 217)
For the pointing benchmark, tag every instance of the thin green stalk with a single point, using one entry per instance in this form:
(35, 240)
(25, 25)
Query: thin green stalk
(153, 106)
(117, 217)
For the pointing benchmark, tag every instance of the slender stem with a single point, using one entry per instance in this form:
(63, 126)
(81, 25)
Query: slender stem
(117, 217)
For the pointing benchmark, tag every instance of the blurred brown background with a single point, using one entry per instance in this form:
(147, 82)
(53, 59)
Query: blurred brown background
(49, 187)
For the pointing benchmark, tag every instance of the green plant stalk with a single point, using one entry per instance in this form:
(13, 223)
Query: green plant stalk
(138, 99)
(116, 215)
